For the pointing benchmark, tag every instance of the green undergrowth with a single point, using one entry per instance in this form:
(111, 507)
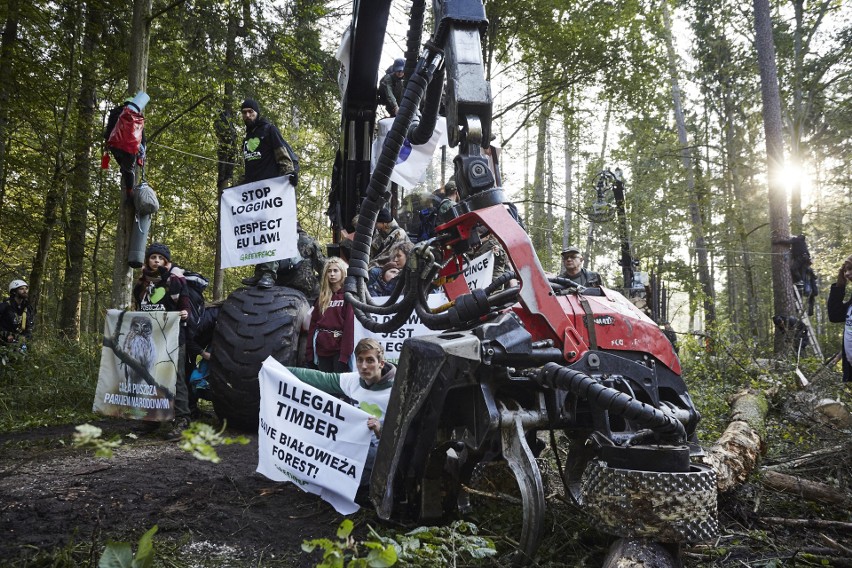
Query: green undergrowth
(54, 383)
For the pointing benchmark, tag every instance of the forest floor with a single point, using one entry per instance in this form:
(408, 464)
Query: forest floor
(55, 497)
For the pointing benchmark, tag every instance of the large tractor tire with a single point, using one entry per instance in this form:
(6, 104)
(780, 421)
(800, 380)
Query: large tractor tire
(253, 324)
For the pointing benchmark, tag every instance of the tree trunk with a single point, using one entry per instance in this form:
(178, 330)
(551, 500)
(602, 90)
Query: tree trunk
(122, 276)
(7, 85)
(226, 152)
(78, 196)
(54, 198)
(686, 159)
(537, 225)
(779, 220)
(570, 134)
(734, 455)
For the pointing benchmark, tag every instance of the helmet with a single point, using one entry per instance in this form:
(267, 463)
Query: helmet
(15, 284)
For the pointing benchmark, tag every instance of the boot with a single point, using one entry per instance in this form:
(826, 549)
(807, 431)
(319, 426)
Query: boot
(266, 281)
(253, 280)
(178, 426)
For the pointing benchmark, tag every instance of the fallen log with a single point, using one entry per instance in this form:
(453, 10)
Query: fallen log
(810, 490)
(734, 455)
(808, 523)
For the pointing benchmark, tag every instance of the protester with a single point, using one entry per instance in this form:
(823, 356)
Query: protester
(383, 280)
(572, 268)
(17, 316)
(199, 348)
(391, 86)
(128, 161)
(387, 234)
(162, 287)
(488, 242)
(266, 155)
(841, 312)
(332, 328)
(371, 383)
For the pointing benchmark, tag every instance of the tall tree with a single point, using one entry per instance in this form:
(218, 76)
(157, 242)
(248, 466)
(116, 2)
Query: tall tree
(140, 37)
(686, 158)
(8, 43)
(779, 219)
(80, 185)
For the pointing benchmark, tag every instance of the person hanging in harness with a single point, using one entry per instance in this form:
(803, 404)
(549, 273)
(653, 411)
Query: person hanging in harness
(125, 138)
(266, 155)
(17, 316)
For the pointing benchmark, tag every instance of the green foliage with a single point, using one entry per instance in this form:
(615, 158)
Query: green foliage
(444, 546)
(201, 439)
(345, 550)
(88, 436)
(53, 384)
(120, 555)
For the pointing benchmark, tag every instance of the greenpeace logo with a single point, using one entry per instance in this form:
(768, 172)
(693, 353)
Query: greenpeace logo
(604, 320)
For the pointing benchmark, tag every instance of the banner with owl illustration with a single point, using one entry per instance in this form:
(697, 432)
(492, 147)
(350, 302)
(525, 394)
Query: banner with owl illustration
(258, 222)
(139, 365)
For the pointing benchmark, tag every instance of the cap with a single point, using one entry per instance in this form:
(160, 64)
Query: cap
(158, 248)
(15, 284)
(252, 104)
(571, 250)
(398, 65)
(384, 216)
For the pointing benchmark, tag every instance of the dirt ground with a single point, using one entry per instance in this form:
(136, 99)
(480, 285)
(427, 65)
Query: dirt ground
(51, 493)
(226, 515)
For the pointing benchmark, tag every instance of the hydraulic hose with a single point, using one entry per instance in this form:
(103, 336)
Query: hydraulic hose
(612, 400)
(376, 194)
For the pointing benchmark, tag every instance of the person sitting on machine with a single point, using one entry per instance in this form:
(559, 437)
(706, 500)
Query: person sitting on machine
(572, 268)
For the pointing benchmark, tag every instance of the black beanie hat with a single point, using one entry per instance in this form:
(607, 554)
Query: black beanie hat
(252, 104)
(158, 248)
(384, 216)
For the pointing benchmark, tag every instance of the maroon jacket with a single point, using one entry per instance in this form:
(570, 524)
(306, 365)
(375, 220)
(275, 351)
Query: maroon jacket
(332, 333)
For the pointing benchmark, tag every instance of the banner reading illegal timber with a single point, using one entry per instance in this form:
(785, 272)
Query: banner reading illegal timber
(139, 365)
(259, 222)
(310, 438)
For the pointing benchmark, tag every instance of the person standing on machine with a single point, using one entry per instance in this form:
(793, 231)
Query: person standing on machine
(266, 155)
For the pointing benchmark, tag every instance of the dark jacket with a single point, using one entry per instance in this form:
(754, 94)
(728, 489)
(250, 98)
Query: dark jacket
(390, 91)
(16, 320)
(585, 278)
(838, 312)
(265, 153)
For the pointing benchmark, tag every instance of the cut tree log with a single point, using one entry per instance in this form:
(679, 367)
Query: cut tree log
(810, 490)
(734, 455)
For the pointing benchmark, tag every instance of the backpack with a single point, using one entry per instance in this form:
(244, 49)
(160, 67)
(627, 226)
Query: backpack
(195, 286)
(428, 222)
(127, 133)
(145, 200)
(293, 156)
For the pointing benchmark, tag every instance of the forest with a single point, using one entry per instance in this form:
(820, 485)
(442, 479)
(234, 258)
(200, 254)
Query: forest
(597, 78)
(731, 123)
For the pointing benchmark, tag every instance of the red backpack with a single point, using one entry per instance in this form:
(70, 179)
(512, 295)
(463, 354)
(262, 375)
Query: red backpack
(127, 134)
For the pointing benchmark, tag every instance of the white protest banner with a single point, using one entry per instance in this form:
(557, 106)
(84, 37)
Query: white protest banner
(139, 362)
(259, 222)
(477, 273)
(310, 438)
(411, 164)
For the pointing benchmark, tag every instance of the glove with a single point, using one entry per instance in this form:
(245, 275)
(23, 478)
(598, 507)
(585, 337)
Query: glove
(294, 179)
